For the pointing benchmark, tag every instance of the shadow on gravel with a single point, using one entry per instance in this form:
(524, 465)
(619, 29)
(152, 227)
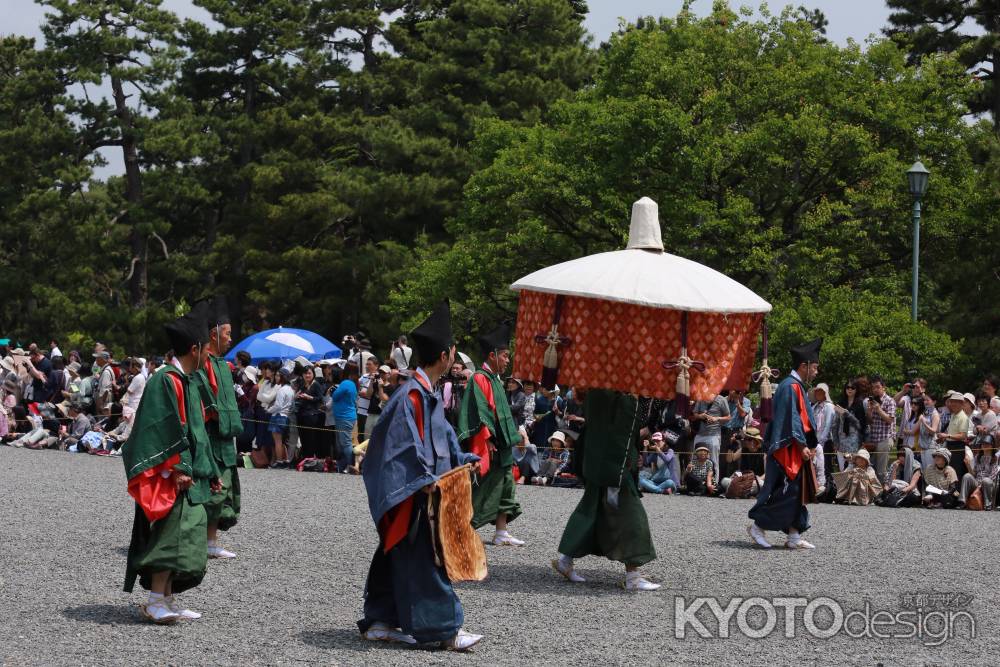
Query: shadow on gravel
(535, 579)
(104, 614)
(741, 545)
(777, 542)
(341, 638)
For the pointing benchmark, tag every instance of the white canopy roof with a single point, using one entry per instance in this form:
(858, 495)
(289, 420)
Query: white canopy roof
(644, 274)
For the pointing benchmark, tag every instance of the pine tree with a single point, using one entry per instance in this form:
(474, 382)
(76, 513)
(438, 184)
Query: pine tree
(948, 26)
(124, 43)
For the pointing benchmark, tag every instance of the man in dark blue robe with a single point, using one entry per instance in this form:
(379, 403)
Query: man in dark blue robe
(408, 597)
(790, 439)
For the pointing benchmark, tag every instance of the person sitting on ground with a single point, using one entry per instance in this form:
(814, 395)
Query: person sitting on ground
(941, 481)
(78, 427)
(30, 432)
(858, 485)
(557, 461)
(902, 481)
(661, 472)
(699, 475)
(984, 476)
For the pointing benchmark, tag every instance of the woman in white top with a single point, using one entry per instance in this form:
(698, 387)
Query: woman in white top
(280, 409)
(133, 395)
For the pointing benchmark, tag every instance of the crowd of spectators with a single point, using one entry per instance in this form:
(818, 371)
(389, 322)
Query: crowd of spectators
(873, 447)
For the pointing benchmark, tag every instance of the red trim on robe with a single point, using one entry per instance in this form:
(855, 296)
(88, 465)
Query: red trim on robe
(213, 384)
(479, 443)
(395, 523)
(790, 456)
(179, 391)
(155, 493)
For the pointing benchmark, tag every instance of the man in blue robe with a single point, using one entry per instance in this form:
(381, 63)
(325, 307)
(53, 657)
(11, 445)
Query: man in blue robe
(408, 598)
(790, 439)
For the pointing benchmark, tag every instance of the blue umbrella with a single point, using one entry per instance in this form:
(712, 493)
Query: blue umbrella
(282, 343)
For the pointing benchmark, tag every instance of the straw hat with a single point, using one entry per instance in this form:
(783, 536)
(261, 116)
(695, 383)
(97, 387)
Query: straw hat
(558, 435)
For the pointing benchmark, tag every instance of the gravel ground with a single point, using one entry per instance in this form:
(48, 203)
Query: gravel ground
(305, 541)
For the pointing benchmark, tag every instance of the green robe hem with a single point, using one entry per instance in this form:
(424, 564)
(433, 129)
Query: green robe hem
(597, 529)
(177, 543)
(223, 508)
(493, 495)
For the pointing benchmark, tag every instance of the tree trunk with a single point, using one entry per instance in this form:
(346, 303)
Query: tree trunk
(137, 284)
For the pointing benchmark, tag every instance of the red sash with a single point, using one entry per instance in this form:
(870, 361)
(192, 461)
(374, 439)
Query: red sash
(479, 444)
(395, 523)
(790, 456)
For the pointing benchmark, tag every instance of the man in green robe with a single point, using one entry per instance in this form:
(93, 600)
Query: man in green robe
(222, 421)
(609, 520)
(487, 428)
(171, 475)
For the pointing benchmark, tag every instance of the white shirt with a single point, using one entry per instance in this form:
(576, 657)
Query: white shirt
(282, 401)
(819, 464)
(402, 356)
(56, 352)
(135, 389)
(363, 383)
(824, 414)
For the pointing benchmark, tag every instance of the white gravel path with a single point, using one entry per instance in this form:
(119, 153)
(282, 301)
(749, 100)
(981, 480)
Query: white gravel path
(305, 541)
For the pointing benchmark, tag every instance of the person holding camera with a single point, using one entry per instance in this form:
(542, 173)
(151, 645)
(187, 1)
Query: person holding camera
(712, 415)
(910, 395)
(401, 354)
(918, 431)
(880, 410)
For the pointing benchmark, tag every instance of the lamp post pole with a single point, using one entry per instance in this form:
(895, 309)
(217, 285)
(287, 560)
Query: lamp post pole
(916, 256)
(916, 177)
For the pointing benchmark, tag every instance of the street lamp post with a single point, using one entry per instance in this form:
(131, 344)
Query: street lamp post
(917, 177)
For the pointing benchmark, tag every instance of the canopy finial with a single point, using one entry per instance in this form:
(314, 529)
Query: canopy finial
(644, 231)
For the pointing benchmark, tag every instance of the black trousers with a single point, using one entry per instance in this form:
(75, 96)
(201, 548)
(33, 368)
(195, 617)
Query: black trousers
(695, 486)
(310, 436)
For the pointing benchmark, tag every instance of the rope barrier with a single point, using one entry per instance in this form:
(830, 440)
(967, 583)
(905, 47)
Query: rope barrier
(544, 448)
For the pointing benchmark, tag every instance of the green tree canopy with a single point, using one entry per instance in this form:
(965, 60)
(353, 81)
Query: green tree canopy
(775, 157)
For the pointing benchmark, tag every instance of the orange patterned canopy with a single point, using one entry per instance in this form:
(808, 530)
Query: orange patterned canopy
(622, 346)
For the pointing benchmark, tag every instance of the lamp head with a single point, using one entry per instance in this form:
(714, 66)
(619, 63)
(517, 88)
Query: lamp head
(917, 177)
